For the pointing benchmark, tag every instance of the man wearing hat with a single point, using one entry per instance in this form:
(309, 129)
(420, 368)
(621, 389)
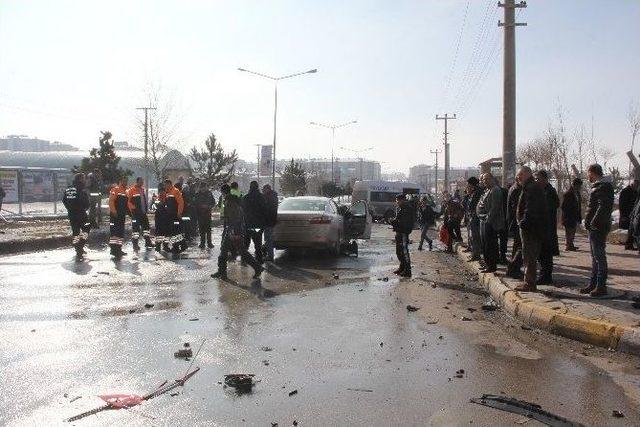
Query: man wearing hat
(403, 226)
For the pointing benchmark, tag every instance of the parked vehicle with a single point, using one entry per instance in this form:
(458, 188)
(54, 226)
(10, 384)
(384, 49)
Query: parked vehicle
(381, 195)
(319, 222)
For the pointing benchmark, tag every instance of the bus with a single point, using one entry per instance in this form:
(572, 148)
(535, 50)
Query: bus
(381, 195)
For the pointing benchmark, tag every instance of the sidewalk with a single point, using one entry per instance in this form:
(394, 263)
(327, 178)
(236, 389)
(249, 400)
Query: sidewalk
(610, 322)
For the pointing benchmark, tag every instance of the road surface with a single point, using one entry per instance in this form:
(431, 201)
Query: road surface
(336, 330)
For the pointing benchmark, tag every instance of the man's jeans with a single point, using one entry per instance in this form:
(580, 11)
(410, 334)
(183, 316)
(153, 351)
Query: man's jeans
(599, 269)
(268, 243)
(476, 240)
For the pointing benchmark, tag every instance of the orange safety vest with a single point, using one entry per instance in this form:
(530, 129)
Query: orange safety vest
(118, 200)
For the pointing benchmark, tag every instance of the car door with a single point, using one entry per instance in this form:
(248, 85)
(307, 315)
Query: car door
(358, 221)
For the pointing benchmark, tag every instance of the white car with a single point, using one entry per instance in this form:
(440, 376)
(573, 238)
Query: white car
(318, 222)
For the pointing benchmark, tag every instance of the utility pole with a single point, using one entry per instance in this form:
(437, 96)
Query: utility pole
(446, 119)
(258, 164)
(146, 148)
(436, 152)
(509, 88)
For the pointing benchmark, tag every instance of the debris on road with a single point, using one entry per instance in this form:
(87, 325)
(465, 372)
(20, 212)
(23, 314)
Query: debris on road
(466, 319)
(243, 383)
(460, 373)
(124, 401)
(291, 393)
(490, 305)
(525, 328)
(195, 319)
(364, 390)
(520, 407)
(184, 353)
(265, 348)
(104, 272)
(412, 308)
(75, 398)
(336, 276)
(148, 305)
(617, 414)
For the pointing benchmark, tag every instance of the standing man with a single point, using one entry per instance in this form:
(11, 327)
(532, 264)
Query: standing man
(427, 219)
(571, 213)
(174, 209)
(403, 226)
(255, 213)
(204, 203)
(490, 210)
(94, 182)
(76, 201)
(138, 207)
(550, 244)
(473, 222)
(118, 210)
(271, 219)
(627, 200)
(514, 267)
(530, 214)
(3, 194)
(233, 235)
(503, 235)
(161, 220)
(597, 221)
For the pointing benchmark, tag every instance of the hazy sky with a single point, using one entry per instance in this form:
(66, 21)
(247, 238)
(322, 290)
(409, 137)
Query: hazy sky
(69, 69)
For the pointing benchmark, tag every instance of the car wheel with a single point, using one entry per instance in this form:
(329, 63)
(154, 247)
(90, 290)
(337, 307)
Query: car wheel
(335, 249)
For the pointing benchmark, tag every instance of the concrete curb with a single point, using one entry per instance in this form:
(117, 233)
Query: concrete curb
(596, 332)
(56, 242)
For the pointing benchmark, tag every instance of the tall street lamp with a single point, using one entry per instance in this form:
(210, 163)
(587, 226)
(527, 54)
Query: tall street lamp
(357, 153)
(275, 81)
(333, 140)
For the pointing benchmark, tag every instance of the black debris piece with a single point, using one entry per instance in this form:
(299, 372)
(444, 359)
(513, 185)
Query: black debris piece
(364, 390)
(295, 423)
(148, 305)
(466, 319)
(617, 414)
(336, 276)
(412, 308)
(265, 348)
(529, 410)
(195, 319)
(183, 353)
(460, 373)
(291, 393)
(490, 305)
(525, 327)
(471, 310)
(243, 383)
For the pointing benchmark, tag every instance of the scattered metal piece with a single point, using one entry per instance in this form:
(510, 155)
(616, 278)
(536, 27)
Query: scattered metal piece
(265, 348)
(617, 414)
(183, 353)
(75, 398)
(148, 305)
(291, 393)
(530, 410)
(195, 319)
(466, 319)
(412, 308)
(364, 390)
(243, 383)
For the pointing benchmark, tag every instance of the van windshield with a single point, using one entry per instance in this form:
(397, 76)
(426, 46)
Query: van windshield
(383, 196)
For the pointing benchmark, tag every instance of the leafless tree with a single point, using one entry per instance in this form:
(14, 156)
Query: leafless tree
(581, 145)
(633, 116)
(606, 154)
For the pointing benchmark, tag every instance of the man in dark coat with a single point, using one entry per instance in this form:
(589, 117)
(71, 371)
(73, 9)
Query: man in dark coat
(76, 201)
(514, 267)
(271, 219)
(626, 201)
(255, 218)
(572, 212)
(597, 221)
(550, 244)
(531, 214)
(426, 219)
(203, 203)
(403, 226)
(473, 222)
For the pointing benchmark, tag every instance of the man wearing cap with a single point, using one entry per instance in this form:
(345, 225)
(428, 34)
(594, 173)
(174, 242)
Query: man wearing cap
(403, 226)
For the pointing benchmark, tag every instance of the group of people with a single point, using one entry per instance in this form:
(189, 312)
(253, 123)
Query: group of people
(179, 209)
(527, 212)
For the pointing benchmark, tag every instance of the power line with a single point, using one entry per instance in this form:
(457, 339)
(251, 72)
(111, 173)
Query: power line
(445, 94)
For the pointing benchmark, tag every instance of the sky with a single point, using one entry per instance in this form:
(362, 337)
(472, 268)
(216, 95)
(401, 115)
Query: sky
(69, 69)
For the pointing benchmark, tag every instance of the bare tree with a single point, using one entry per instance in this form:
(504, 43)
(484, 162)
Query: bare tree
(633, 116)
(162, 127)
(606, 154)
(581, 142)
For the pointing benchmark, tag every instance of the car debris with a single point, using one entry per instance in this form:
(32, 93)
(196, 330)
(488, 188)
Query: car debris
(412, 308)
(75, 398)
(490, 305)
(195, 319)
(185, 352)
(148, 305)
(125, 401)
(243, 383)
(364, 390)
(265, 348)
(466, 319)
(460, 373)
(293, 392)
(521, 407)
(617, 414)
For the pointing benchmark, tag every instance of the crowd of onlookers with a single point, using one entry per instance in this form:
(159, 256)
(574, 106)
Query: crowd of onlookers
(527, 214)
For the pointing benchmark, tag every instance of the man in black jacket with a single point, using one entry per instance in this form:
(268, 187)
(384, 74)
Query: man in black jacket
(572, 213)
(550, 243)
(531, 215)
(626, 201)
(473, 222)
(403, 226)
(597, 221)
(514, 267)
(76, 201)
(255, 216)
(204, 202)
(271, 209)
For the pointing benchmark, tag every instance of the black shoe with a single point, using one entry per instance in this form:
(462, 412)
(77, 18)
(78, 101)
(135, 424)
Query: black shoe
(210, 245)
(430, 245)
(406, 273)
(201, 245)
(399, 271)
(219, 275)
(599, 291)
(258, 272)
(136, 246)
(158, 247)
(147, 242)
(587, 289)
(420, 247)
(543, 281)
(165, 247)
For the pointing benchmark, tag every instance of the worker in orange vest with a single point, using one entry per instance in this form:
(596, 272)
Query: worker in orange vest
(118, 210)
(138, 207)
(174, 208)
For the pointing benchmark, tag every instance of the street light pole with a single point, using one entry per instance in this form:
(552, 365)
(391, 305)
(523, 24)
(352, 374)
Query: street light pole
(258, 164)
(333, 140)
(146, 147)
(275, 108)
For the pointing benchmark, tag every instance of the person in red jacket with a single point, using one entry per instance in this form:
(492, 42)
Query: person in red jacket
(118, 210)
(138, 207)
(174, 208)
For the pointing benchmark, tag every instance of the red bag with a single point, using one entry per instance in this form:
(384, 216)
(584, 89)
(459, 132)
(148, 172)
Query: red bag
(444, 235)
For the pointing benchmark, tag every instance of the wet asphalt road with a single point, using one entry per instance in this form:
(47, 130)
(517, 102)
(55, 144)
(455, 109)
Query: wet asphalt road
(335, 330)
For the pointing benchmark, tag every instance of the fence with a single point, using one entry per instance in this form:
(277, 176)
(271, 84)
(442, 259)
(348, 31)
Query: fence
(33, 191)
